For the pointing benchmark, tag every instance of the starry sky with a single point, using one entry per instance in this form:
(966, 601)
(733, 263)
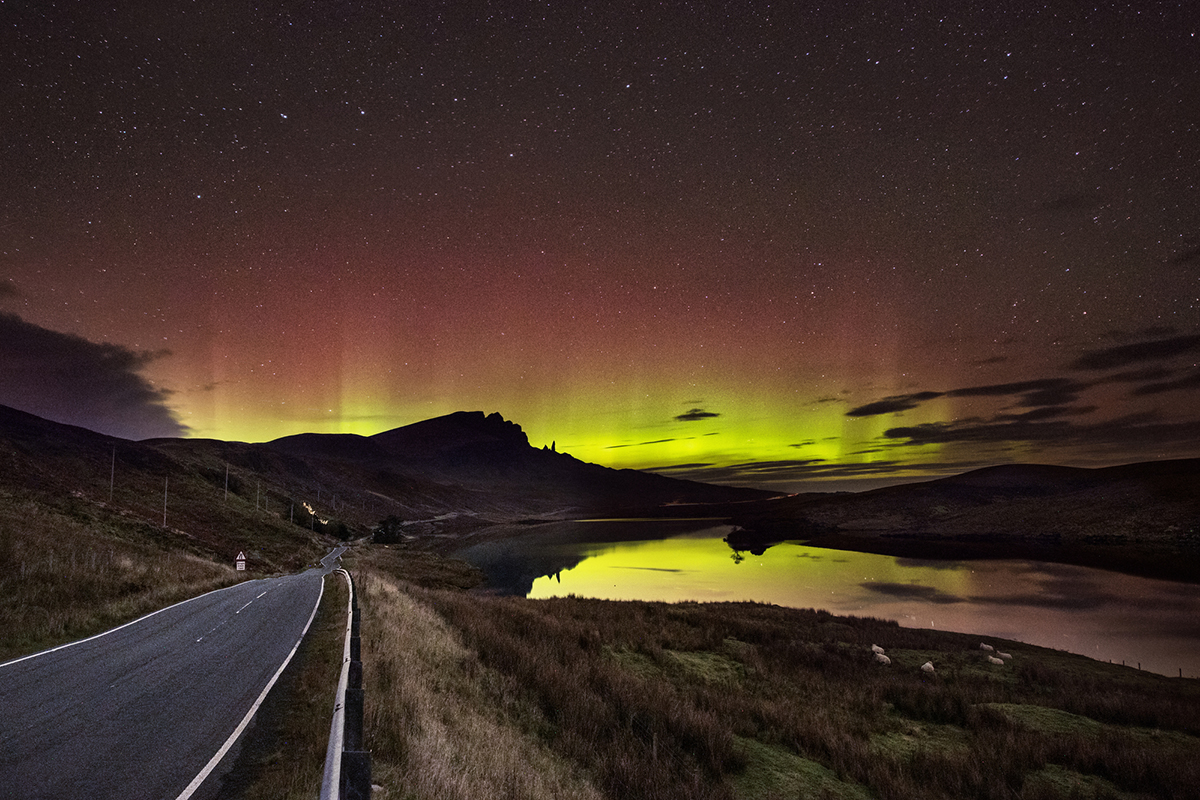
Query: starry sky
(798, 246)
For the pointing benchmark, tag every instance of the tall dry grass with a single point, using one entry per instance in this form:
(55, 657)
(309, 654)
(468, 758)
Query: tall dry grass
(440, 724)
(62, 578)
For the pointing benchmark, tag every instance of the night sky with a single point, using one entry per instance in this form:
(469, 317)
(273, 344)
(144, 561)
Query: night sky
(794, 246)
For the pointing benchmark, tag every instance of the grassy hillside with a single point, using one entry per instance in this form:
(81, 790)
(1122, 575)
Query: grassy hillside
(83, 546)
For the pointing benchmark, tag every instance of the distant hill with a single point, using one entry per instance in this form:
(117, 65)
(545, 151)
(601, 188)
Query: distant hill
(1124, 517)
(467, 463)
(439, 477)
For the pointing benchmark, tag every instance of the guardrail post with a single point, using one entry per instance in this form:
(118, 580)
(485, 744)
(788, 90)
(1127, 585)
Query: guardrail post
(354, 719)
(356, 775)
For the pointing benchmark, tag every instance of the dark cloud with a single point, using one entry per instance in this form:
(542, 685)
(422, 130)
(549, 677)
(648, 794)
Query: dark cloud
(1191, 381)
(696, 414)
(1139, 375)
(1124, 355)
(742, 472)
(638, 444)
(1037, 393)
(983, 362)
(892, 405)
(1077, 601)
(978, 431)
(1040, 392)
(655, 569)
(1141, 430)
(690, 466)
(1051, 393)
(819, 474)
(929, 594)
(781, 472)
(1046, 412)
(68, 379)
(1060, 395)
(8, 289)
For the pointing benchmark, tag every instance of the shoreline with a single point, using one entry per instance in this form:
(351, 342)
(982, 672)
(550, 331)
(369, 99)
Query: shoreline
(1158, 564)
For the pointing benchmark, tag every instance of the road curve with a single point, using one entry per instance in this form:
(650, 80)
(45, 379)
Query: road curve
(142, 710)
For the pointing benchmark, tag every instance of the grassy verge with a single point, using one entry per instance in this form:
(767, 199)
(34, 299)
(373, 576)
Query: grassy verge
(438, 722)
(284, 755)
(744, 700)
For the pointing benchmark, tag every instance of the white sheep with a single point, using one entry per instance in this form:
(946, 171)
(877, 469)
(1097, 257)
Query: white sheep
(994, 660)
(927, 667)
(986, 647)
(876, 648)
(1005, 656)
(882, 659)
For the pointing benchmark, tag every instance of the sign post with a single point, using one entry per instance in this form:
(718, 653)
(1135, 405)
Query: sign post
(241, 561)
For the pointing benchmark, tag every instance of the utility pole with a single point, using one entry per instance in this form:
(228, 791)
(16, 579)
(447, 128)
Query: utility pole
(166, 481)
(112, 478)
(227, 483)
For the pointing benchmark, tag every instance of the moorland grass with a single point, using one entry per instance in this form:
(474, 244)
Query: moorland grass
(76, 562)
(440, 724)
(742, 700)
(62, 578)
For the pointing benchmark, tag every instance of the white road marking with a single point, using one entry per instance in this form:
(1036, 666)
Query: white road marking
(113, 630)
(212, 629)
(212, 764)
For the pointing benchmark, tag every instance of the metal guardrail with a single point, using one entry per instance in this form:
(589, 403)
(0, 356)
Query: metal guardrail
(347, 763)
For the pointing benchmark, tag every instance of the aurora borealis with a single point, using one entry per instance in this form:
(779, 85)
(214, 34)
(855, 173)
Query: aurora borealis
(785, 245)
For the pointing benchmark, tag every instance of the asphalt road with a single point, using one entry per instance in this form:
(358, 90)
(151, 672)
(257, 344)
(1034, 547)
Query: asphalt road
(142, 711)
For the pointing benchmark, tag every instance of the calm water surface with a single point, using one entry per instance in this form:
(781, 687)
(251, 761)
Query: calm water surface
(1105, 615)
